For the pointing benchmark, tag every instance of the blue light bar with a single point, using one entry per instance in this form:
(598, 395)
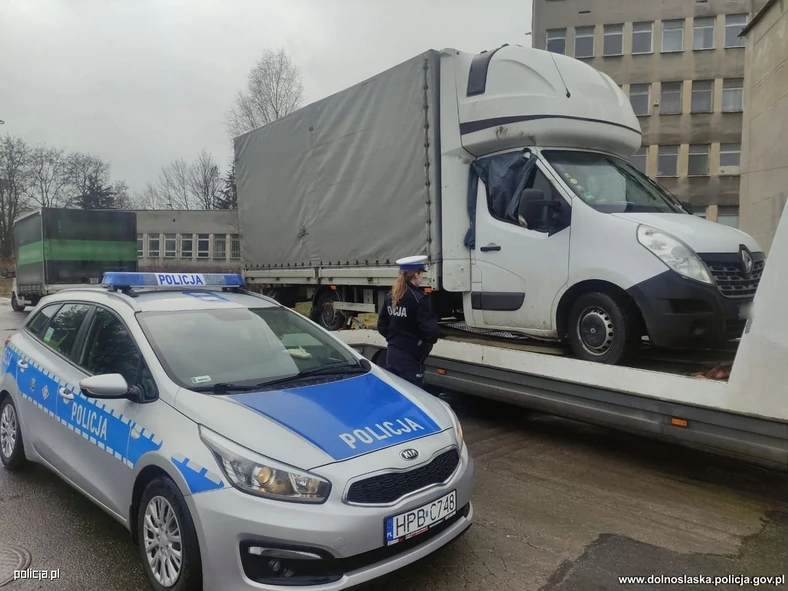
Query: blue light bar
(184, 280)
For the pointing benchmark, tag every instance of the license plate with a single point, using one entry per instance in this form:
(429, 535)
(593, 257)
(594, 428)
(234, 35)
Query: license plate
(418, 521)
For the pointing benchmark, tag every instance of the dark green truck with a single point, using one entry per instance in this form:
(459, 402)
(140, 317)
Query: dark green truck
(57, 248)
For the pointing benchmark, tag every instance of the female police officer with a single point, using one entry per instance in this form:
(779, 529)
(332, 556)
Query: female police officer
(408, 323)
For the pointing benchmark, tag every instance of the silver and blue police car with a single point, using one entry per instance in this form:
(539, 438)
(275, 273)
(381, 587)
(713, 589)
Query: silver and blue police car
(243, 446)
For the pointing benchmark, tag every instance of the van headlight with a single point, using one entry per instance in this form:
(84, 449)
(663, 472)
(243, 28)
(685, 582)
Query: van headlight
(674, 253)
(264, 477)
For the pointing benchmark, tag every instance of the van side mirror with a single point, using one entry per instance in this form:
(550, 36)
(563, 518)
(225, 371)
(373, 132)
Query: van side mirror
(537, 212)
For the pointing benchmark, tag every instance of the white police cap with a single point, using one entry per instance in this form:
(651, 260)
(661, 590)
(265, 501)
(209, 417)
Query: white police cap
(415, 263)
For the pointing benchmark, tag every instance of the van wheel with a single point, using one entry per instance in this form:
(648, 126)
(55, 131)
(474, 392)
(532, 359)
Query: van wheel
(602, 328)
(168, 542)
(15, 305)
(12, 449)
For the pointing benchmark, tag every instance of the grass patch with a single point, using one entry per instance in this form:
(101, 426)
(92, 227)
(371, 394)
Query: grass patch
(370, 320)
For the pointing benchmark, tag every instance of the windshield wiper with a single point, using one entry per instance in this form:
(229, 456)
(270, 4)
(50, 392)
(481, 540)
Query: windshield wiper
(223, 388)
(326, 370)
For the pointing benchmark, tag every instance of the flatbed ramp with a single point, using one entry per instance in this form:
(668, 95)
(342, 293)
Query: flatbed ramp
(684, 409)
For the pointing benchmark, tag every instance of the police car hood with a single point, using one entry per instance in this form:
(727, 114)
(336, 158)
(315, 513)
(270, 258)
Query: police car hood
(314, 425)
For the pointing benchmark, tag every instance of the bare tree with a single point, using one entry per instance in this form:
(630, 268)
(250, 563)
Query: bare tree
(14, 157)
(205, 181)
(273, 90)
(85, 172)
(48, 178)
(183, 185)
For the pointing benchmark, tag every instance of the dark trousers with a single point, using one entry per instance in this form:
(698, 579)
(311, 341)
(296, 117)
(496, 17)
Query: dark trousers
(405, 365)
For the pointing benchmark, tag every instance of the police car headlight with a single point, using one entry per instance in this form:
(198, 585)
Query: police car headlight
(457, 425)
(264, 477)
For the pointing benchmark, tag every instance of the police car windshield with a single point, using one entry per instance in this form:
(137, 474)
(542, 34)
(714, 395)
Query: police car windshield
(240, 348)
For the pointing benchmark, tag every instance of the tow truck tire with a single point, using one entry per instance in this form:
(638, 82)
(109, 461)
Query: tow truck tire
(15, 305)
(326, 315)
(163, 494)
(602, 328)
(12, 448)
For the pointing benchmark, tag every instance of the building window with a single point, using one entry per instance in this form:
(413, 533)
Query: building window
(153, 246)
(703, 33)
(670, 98)
(169, 246)
(673, 35)
(584, 42)
(140, 245)
(698, 163)
(732, 95)
(556, 40)
(639, 98)
(203, 246)
(702, 96)
(728, 216)
(730, 156)
(235, 247)
(220, 247)
(668, 161)
(613, 40)
(638, 159)
(187, 246)
(734, 23)
(642, 37)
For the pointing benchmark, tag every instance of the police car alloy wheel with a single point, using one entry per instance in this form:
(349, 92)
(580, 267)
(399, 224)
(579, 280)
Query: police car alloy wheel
(12, 452)
(167, 539)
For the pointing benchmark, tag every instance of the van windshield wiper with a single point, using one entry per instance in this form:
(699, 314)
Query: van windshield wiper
(326, 370)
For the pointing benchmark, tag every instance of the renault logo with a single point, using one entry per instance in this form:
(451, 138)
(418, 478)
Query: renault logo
(409, 454)
(746, 259)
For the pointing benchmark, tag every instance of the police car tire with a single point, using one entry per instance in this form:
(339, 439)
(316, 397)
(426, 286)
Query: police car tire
(17, 458)
(191, 568)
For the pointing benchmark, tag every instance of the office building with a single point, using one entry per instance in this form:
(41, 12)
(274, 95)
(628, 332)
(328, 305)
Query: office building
(764, 180)
(681, 62)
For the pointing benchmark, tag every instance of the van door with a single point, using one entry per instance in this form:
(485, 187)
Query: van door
(523, 263)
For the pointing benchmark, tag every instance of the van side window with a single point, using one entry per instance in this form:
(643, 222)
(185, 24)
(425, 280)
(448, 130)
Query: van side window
(62, 331)
(42, 318)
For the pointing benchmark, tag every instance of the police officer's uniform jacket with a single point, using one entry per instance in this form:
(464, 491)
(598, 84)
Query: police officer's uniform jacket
(411, 326)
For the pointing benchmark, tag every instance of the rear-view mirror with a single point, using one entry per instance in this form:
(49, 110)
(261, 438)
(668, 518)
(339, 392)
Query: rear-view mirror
(108, 385)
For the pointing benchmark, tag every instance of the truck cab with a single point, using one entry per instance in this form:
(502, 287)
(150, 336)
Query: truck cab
(548, 230)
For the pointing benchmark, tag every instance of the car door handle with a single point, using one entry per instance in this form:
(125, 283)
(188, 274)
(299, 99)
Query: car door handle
(66, 394)
(490, 247)
(22, 364)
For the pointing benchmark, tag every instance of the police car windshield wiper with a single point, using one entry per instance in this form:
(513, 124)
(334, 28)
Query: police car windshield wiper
(223, 388)
(332, 369)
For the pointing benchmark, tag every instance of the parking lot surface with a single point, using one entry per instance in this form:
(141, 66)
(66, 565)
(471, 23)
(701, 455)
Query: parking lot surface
(559, 506)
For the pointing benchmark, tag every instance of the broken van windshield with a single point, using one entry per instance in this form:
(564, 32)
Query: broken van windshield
(610, 184)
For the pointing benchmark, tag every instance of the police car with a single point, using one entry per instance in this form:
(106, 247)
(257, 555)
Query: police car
(243, 446)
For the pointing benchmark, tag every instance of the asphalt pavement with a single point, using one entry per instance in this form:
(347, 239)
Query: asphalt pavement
(559, 506)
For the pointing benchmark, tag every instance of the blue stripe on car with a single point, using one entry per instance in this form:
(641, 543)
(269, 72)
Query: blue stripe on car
(345, 418)
(198, 478)
(86, 417)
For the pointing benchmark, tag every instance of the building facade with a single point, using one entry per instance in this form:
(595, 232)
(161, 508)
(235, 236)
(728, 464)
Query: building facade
(681, 62)
(188, 240)
(764, 181)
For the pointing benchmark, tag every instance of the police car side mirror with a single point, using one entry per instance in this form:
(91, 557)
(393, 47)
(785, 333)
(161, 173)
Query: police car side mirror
(107, 386)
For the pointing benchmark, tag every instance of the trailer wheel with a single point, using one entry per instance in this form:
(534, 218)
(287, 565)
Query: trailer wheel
(325, 314)
(15, 305)
(602, 328)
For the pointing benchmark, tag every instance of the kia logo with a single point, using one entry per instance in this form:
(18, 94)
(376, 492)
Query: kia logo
(409, 454)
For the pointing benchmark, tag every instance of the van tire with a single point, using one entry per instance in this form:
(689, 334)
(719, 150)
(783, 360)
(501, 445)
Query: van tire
(190, 574)
(603, 328)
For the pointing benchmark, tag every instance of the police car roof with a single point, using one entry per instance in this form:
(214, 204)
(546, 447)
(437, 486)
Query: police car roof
(162, 291)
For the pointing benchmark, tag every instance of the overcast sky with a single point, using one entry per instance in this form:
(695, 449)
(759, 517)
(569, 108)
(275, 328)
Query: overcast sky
(143, 82)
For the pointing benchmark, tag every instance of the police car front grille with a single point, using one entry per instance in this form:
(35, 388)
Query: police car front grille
(387, 488)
